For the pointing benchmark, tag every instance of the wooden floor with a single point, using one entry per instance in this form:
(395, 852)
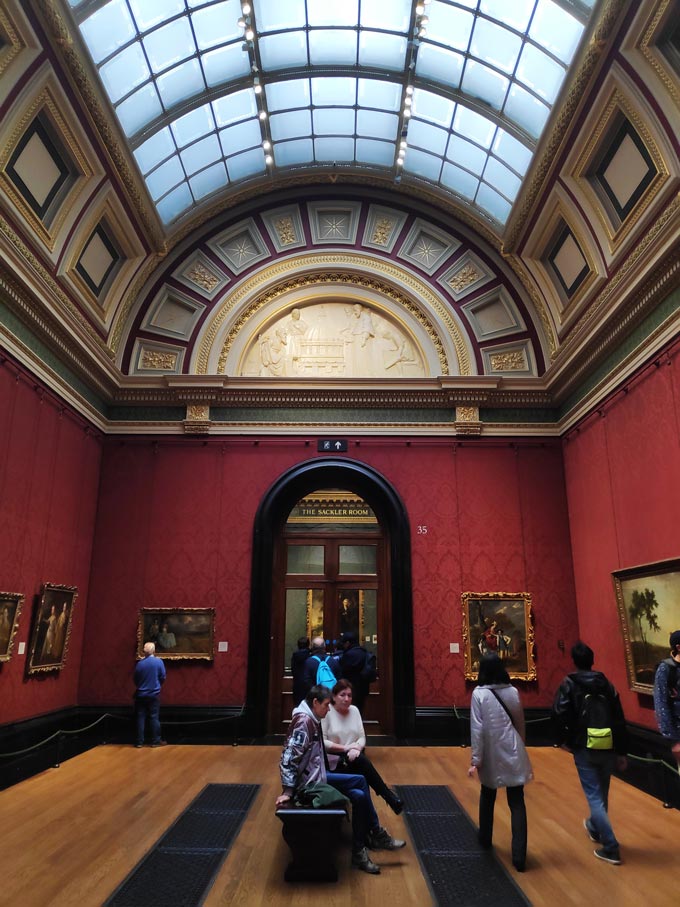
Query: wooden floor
(70, 835)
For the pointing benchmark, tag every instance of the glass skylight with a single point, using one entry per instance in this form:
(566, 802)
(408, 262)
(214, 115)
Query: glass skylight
(210, 93)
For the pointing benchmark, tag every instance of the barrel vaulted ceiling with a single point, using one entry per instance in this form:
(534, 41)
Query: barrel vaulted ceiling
(461, 205)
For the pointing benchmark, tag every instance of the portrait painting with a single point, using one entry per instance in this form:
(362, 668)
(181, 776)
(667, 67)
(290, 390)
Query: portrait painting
(10, 609)
(178, 633)
(499, 622)
(648, 600)
(51, 628)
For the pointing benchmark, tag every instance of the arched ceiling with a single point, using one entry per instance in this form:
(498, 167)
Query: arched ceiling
(215, 94)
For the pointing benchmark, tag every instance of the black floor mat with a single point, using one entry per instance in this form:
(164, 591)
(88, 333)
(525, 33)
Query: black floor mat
(458, 870)
(182, 865)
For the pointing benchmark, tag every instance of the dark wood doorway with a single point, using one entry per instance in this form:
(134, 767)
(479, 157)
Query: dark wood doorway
(324, 586)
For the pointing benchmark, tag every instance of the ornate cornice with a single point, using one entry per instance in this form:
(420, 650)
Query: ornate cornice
(552, 145)
(73, 56)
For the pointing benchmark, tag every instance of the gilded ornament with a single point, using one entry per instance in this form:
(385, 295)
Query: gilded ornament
(197, 412)
(285, 230)
(202, 277)
(467, 414)
(462, 280)
(154, 359)
(508, 362)
(382, 231)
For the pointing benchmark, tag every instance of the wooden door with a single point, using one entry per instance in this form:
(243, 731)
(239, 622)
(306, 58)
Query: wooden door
(322, 587)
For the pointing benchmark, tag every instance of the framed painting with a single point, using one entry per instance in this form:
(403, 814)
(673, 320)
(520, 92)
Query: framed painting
(10, 609)
(648, 599)
(499, 622)
(51, 628)
(178, 633)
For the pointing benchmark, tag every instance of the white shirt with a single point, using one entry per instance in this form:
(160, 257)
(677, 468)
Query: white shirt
(342, 729)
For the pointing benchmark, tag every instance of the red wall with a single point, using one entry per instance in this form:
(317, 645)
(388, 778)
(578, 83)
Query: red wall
(623, 486)
(174, 528)
(49, 475)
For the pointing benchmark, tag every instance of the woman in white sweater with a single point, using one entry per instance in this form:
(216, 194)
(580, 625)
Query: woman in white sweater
(499, 756)
(345, 740)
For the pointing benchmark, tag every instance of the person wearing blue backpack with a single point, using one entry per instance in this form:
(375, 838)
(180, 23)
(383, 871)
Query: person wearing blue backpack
(321, 669)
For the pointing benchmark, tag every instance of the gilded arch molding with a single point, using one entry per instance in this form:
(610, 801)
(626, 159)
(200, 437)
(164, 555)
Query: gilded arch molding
(352, 270)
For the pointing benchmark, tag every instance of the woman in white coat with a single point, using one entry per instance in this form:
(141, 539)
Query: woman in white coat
(499, 756)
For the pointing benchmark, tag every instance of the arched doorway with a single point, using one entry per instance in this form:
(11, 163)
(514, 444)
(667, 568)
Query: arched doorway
(272, 514)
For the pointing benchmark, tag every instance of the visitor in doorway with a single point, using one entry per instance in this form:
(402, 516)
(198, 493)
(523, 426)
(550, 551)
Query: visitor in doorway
(318, 651)
(297, 669)
(149, 677)
(667, 696)
(352, 663)
(303, 762)
(594, 766)
(499, 756)
(345, 740)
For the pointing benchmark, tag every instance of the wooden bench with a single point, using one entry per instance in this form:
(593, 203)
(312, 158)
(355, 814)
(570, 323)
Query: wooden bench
(313, 836)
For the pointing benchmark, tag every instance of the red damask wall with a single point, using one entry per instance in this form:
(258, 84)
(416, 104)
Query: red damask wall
(623, 484)
(49, 476)
(174, 528)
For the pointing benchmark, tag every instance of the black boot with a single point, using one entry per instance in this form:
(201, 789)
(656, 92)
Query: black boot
(395, 803)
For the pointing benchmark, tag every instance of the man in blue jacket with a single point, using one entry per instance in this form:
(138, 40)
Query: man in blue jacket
(149, 676)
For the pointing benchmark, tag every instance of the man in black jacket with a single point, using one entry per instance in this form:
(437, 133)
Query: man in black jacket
(352, 662)
(594, 766)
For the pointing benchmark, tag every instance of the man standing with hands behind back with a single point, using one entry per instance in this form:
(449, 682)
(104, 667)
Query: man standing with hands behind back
(149, 677)
(667, 696)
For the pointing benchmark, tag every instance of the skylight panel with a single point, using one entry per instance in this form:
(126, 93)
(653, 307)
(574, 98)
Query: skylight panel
(217, 24)
(489, 200)
(283, 51)
(165, 178)
(139, 109)
(450, 26)
(540, 72)
(323, 12)
(250, 163)
(459, 181)
(427, 136)
(273, 15)
(200, 154)
(290, 125)
(381, 50)
(378, 94)
(193, 125)
(334, 149)
(377, 124)
(373, 152)
(468, 155)
(441, 65)
(169, 44)
(124, 72)
(502, 179)
(495, 45)
(108, 29)
(234, 107)
(209, 181)
(240, 136)
(329, 47)
(331, 121)
(180, 83)
(526, 110)
(474, 126)
(486, 84)
(557, 31)
(148, 13)
(288, 154)
(420, 163)
(154, 150)
(288, 94)
(392, 15)
(225, 64)
(433, 107)
(515, 14)
(331, 91)
(174, 204)
(512, 152)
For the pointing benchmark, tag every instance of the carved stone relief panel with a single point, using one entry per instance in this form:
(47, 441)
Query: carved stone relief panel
(333, 339)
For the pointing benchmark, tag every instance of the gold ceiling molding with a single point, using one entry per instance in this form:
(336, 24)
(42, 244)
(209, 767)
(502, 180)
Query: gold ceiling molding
(651, 53)
(554, 143)
(537, 300)
(37, 268)
(271, 282)
(45, 101)
(619, 103)
(74, 55)
(13, 44)
(665, 277)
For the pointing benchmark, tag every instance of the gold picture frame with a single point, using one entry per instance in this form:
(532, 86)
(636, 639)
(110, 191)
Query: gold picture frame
(500, 622)
(11, 604)
(52, 628)
(648, 601)
(178, 633)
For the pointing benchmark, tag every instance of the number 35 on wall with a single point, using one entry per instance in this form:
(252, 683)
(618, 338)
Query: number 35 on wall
(421, 530)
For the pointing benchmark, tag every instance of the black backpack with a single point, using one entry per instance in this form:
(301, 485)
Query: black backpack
(369, 672)
(672, 680)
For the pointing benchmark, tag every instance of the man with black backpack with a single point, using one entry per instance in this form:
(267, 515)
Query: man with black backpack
(667, 695)
(589, 723)
(358, 666)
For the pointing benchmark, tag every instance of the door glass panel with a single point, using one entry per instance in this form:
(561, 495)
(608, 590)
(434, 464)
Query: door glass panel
(307, 559)
(304, 617)
(369, 614)
(358, 559)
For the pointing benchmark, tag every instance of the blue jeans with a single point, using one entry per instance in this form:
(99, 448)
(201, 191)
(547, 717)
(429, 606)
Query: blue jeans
(595, 778)
(364, 816)
(148, 706)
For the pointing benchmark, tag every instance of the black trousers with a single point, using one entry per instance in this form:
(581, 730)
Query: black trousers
(362, 765)
(518, 820)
